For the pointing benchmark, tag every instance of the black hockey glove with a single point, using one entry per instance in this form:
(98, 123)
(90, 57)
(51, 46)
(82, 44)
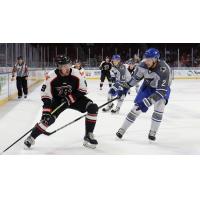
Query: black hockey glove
(47, 118)
(66, 93)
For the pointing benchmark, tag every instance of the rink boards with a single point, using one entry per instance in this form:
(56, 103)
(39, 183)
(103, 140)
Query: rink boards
(8, 88)
(192, 73)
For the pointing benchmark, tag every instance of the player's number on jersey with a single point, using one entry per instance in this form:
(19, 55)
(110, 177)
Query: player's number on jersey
(163, 83)
(123, 77)
(43, 88)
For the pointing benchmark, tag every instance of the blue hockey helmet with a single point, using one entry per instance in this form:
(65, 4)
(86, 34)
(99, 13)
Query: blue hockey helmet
(152, 53)
(116, 57)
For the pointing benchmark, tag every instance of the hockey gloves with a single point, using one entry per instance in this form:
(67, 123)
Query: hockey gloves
(116, 89)
(47, 117)
(66, 93)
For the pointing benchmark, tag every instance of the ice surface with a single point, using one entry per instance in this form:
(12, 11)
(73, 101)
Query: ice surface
(179, 132)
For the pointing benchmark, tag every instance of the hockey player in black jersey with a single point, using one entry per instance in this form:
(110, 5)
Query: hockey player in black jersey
(65, 84)
(105, 68)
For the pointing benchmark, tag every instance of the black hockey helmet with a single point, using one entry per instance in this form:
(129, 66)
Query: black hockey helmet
(62, 60)
(19, 58)
(107, 57)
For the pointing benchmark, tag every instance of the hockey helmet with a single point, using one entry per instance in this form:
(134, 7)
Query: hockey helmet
(62, 60)
(152, 53)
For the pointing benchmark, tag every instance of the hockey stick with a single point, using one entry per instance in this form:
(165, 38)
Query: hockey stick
(50, 133)
(31, 129)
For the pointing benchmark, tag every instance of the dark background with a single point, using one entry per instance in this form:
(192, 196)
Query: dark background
(91, 54)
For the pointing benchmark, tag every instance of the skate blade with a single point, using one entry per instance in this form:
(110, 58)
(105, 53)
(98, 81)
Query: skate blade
(106, 111)
(152, 141)
(118, 138)
(88, 145)
(27, 148)
(115, 113)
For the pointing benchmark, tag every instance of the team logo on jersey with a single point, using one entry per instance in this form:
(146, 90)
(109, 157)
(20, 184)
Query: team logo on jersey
(149, 80)
(64, 90)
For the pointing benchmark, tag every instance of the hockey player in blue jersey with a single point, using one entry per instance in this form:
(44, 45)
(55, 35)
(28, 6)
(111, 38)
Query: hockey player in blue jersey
(155, 91)
(122, 75)
(131, 66)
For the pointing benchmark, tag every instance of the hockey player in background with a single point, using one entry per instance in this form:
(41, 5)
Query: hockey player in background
(155, 91)
(105, 68)
(131, 65)
(78, 65)
(122, 75)
(65, 84)
(21, 70)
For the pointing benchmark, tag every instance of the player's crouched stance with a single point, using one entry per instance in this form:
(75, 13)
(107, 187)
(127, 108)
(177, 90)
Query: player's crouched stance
(155, 90)
(65, 84)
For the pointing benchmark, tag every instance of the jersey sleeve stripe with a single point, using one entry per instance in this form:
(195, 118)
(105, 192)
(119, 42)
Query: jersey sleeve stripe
(161, 89)
(159, 94)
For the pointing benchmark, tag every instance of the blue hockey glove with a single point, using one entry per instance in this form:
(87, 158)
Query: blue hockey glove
(114, 89)
(120, 92)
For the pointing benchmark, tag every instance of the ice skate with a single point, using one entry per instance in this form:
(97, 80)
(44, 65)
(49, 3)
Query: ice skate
(152, 135)
(120, 133)
(90, 141)
(115, 110)
(108, 108)
(29, 141)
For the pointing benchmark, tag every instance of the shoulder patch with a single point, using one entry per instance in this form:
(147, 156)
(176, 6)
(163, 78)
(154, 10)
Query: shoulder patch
(163, 68)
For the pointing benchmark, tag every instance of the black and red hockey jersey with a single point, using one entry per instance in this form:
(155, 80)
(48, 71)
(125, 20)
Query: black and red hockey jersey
(55, 83)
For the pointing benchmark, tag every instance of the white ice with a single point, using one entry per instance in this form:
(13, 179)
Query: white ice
(179, 132)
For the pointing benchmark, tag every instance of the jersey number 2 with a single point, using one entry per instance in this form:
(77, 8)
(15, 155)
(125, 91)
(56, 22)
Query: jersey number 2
(163, 83)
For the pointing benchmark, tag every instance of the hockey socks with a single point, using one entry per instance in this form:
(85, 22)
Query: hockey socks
(91, 117)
